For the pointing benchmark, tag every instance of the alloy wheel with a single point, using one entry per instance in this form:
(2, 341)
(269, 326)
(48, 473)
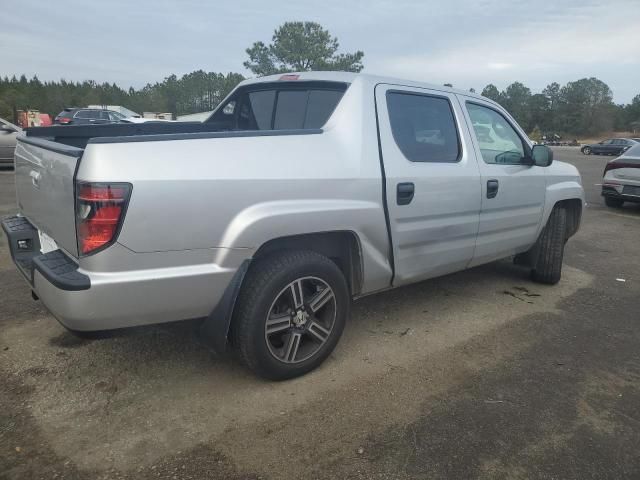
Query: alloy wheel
(300, 320)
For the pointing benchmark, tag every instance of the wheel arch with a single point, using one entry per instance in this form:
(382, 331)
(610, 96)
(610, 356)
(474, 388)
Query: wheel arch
(573, 206)
(565, 192)
(342, 247)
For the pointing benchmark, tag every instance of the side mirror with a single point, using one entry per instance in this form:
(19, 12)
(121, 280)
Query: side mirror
(542, 155)
(7, 128)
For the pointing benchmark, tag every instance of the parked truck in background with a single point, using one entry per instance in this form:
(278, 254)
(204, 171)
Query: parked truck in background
(298, 194)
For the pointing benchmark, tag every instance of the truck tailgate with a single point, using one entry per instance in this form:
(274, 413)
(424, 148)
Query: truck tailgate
(44, 175)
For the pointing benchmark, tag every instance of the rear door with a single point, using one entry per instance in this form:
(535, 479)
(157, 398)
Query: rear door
(603, 147)
(432, 181)
(620, 146)
(513, 191)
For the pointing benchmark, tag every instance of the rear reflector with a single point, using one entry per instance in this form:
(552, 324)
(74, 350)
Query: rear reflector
(100, 209)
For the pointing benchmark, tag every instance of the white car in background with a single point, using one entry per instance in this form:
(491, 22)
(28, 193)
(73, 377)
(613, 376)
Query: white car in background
(143, 120)
(621, 181)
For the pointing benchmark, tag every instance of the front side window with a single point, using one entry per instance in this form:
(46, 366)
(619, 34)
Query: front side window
(423, 127)
(498, 140)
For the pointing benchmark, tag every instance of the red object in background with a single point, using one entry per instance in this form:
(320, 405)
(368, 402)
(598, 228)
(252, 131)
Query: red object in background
(32, 118)
(45, 120)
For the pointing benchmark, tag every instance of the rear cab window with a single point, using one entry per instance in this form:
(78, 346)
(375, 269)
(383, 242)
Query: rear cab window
(298, 105)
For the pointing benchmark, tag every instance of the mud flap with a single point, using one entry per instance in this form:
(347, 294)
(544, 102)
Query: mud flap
(215, 328)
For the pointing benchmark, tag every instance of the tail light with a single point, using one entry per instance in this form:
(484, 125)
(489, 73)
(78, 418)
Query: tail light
(100, 209)
(615, 164)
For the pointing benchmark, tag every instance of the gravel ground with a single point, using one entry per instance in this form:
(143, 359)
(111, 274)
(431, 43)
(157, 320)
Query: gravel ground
(481, 374)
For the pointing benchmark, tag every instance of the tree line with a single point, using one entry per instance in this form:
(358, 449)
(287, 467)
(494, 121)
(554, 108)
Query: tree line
(197, 91)
(582, 107)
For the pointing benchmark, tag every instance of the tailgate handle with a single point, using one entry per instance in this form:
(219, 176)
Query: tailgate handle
(35, 178)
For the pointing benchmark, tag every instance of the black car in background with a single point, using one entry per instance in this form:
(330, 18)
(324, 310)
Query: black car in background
(611, 146)
(87, 116)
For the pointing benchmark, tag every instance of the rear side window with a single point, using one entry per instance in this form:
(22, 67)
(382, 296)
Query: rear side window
(423, 127)
(87, 114)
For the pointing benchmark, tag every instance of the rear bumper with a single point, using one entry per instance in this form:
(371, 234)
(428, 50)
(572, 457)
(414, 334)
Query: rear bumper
(55, 267)
(90, 301)
(620, 192)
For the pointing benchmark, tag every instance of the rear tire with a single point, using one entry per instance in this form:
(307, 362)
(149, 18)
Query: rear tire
(279, 333)
(586, 150)
(613, 202)
(550, 249)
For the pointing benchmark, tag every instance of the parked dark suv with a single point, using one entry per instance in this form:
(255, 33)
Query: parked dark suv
(611, 146)
(87, 116)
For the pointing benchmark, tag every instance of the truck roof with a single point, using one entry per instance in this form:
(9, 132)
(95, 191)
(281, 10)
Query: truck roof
(350, 77)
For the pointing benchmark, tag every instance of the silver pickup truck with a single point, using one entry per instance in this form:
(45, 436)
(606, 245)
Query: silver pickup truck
(300, 193)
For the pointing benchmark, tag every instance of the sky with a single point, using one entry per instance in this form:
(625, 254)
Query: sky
(469, 43)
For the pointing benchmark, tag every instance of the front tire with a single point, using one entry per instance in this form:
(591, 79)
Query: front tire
(550, 249)
(613, 202)
(586, 150)
(290, 313)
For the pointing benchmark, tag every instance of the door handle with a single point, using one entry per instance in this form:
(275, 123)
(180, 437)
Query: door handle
(405, 193)
(492, 188)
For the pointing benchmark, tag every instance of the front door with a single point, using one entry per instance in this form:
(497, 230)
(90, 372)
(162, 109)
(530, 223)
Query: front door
(432, 181)
(513, 190)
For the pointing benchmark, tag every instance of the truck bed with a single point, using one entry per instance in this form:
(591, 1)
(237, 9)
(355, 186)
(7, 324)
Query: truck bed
(79, 135)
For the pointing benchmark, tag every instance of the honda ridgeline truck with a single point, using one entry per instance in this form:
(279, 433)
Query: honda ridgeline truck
(300, 193)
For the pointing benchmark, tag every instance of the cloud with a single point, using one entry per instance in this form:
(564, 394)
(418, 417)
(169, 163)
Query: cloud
(500, 65)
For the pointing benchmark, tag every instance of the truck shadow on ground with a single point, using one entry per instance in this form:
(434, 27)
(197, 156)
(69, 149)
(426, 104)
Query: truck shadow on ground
(180, 341)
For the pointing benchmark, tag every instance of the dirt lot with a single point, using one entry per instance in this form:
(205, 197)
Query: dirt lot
(480, 374)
